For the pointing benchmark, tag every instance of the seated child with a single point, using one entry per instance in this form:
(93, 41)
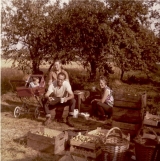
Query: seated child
(34, 83)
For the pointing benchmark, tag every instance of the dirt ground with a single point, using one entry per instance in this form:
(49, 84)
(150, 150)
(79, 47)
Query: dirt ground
(14, 132)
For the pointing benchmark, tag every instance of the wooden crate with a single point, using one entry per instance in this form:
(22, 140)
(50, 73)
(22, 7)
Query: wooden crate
(86, 149)
(132, 129)
(47, 140)
(127, 100)
(127, 126)
(85, 152)
(82, 142)
(152, 120)
(131, 115)
(84, 94)
(150, 136)
(99, 132)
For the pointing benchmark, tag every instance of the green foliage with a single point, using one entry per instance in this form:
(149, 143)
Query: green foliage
(137, 46)
(83, 28)
(27, 23)
(97, 31)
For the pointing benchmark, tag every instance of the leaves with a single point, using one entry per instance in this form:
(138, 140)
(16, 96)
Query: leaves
(92, 30)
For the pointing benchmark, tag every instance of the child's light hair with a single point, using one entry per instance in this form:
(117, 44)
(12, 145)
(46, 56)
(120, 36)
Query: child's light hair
(35, 78)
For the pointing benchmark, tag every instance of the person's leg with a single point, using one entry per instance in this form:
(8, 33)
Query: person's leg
(94, 111)
(52, 103)
(72, 104)
(104, 108)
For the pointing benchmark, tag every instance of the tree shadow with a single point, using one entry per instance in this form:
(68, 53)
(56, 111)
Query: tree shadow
(21, 140)
(7, 108)
(88, 124)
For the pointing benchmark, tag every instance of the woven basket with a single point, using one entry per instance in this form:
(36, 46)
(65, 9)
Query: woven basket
(145, 148)
(114, 147)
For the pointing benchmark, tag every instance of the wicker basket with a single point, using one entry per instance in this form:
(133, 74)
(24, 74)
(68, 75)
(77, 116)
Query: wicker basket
(114, 147)
(145, 148)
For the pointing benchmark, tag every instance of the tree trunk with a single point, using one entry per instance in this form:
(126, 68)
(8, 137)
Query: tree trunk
(93, 70)
(35, 67)
(122, 74)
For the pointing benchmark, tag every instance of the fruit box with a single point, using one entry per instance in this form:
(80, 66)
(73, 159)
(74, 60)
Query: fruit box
(85, 152)
(151, 136)
(85, 142)
(99, 132)
(152, 120)
(47, 140)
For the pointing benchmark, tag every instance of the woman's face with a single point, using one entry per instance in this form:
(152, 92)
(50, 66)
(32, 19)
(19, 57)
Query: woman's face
(102, 83)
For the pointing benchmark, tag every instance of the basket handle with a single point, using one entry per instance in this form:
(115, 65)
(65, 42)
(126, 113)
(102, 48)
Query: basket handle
(151, 130)
(114, 128)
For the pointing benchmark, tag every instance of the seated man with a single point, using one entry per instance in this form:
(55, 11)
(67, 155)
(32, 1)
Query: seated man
(60, 88)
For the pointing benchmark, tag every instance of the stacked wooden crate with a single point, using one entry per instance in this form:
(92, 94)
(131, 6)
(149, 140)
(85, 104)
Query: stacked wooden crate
(85, 146)
(47, 140)
(128, 112)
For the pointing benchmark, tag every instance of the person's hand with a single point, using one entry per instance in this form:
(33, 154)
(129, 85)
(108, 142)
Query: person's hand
(93, 100)
(65, 99)
(50, 99)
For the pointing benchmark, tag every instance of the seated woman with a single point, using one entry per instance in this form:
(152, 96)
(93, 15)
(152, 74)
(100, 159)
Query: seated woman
(103, 107)
(34, 83)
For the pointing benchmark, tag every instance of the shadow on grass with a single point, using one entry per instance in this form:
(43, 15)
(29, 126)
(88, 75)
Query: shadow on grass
(7, 108)
(21, 140)
(9, 112)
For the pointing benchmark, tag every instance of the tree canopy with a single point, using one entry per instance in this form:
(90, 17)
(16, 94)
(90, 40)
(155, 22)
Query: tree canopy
(89, 29)
(28, 23)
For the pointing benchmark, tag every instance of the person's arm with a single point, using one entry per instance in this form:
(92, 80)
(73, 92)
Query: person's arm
(70, 96)
(32, 85)
(105, 95)
(67, 77)
(47, 94)
(103, 99)
(69, 91)
(50, 78)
